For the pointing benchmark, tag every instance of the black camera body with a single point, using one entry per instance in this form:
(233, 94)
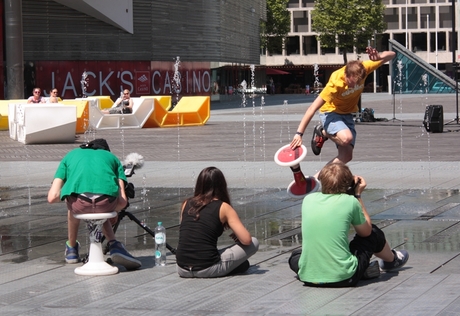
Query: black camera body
(129, 187)
(352, 189)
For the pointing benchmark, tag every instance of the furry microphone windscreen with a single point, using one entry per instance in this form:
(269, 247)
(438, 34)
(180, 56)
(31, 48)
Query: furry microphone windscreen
(135, 160)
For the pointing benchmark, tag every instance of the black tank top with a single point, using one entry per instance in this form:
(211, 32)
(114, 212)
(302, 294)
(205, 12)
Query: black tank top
(198, 238)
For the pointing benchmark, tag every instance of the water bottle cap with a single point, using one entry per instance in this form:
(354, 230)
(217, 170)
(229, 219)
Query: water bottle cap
(160, 223)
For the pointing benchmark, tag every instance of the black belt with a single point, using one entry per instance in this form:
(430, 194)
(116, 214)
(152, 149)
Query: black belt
(95, 200)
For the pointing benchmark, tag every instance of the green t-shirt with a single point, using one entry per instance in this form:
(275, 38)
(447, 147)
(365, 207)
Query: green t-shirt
(326, 220)
(94, 171)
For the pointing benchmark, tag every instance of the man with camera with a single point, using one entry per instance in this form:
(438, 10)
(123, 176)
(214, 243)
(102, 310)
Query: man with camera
(327, 259)
(92, 180)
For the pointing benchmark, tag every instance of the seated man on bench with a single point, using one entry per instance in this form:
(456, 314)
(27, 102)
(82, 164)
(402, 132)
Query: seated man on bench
(122, 105)
(91, 180)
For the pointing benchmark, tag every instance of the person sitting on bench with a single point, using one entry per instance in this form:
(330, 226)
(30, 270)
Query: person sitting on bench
(122, 105)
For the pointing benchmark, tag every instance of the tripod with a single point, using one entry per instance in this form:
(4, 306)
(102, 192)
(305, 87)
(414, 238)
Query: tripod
(129, 194)
(394, 104)
(454, 64)
(124, 213)
(129, 188)
(456, 119)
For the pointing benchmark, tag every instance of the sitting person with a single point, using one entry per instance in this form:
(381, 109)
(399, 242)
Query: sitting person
(204, 217)
(36, 96)
(326, 258)
(53, 96)
(91, 180)
(122, 105)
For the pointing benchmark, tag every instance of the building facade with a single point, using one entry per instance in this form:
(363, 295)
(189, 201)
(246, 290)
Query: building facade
(426, 30)
(133, 44)
(137, 44)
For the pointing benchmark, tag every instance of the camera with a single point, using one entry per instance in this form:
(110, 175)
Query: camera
(352, 188)
(129, 190)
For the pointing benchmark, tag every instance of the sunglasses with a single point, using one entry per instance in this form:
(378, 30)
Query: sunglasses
(53, 91)
(37, 92)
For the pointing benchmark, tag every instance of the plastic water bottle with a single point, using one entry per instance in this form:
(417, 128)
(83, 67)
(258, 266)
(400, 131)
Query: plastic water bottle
(160, 245)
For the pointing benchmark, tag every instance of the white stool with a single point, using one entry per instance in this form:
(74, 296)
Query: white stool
(96, 264)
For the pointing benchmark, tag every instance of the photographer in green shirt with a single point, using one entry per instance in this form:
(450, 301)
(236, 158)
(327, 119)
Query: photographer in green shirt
(92, 180)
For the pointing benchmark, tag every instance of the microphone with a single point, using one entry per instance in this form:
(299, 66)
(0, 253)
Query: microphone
(131, 162)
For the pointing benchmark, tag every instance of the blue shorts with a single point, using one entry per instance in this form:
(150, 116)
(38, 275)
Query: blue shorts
(333, 123)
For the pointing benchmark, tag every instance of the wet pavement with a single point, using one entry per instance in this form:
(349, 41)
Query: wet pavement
(413, 195)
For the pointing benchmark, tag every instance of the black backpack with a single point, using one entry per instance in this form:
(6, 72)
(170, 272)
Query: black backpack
(367, 115)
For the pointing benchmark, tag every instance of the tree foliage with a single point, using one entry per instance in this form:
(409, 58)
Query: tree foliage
(347, 23)
(278, 24)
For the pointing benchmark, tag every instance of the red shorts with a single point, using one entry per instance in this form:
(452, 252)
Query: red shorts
(81, 205)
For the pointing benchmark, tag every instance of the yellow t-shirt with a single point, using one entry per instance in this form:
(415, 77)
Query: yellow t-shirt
(338, 97)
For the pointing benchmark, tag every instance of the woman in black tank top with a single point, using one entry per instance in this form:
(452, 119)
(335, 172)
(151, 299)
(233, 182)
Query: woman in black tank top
(204, 217)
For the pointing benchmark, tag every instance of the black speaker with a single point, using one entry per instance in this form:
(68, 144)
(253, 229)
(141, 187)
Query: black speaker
(434, 119)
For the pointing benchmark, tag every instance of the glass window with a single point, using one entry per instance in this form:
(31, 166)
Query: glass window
(292, 45)
(414, 77)
(300, 21)
(310, 45)
(391, 18)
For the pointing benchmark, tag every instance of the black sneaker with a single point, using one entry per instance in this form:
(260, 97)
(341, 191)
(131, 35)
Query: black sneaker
(372, 271)
(317, 140)
(401, 257)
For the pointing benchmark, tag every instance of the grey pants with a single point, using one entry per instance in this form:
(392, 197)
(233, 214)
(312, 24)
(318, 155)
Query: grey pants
(230, 258)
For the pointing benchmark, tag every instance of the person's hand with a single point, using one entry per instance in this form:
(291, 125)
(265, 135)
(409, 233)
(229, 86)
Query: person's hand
(296, 141)
(360, 185)
(373, 53)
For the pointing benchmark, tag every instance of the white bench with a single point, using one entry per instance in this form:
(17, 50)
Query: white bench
(42, 123)
(142, 109)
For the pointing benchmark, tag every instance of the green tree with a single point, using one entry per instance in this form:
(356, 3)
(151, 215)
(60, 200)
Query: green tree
(347, 23)
(278, 24)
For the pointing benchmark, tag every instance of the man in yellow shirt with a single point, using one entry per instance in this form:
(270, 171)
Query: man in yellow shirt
(336, 103)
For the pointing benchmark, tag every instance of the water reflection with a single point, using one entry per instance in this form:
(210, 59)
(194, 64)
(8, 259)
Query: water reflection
(418, 220)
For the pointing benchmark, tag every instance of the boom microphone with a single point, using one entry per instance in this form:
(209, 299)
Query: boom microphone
(131, 162)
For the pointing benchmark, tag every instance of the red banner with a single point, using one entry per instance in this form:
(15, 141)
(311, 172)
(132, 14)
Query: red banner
(112, 77)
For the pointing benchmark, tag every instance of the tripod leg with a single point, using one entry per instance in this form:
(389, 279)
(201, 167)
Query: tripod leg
(147, 229)
(394, 106)
(124, 213)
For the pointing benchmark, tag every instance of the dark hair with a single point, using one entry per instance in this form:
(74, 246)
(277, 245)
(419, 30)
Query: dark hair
(335, 178)
(98, 143)
(210, 184)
